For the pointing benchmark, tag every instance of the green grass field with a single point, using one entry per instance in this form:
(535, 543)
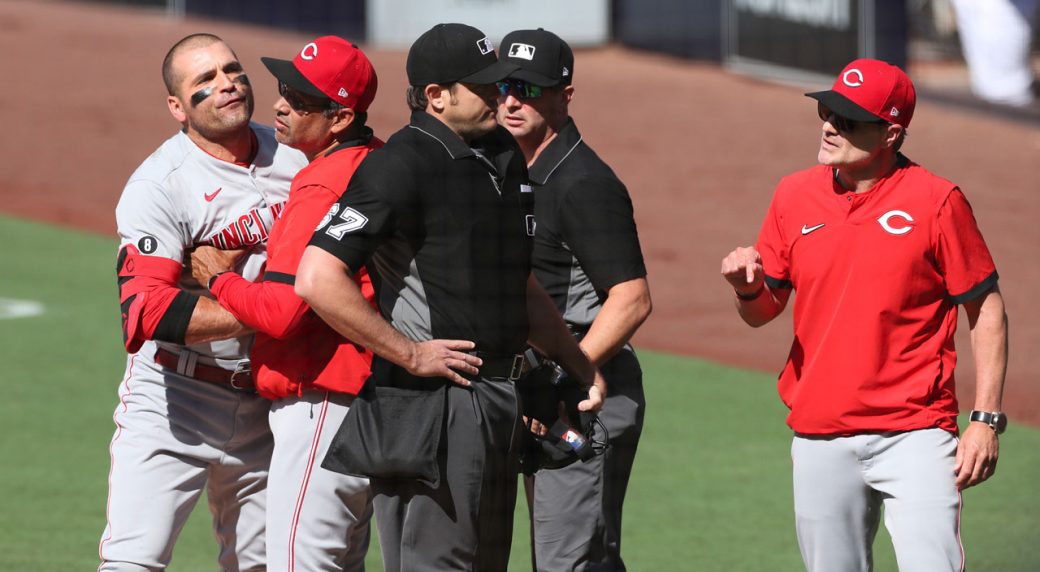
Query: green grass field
(711, 489)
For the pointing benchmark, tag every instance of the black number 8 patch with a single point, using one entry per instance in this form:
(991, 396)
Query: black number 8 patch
(148, 244)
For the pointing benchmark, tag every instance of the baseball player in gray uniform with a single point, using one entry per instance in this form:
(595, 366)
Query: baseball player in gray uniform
(188, 417)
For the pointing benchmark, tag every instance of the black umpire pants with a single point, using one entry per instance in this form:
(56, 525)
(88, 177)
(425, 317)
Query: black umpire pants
(466, 523)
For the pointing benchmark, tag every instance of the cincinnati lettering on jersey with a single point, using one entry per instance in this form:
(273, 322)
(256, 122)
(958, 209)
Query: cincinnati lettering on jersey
(249, 229)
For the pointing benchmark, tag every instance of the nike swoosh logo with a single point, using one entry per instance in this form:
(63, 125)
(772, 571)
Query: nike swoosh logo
(808, 229)
(210, 196)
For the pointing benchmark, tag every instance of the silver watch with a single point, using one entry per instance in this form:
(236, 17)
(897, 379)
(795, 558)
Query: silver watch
(995, 419)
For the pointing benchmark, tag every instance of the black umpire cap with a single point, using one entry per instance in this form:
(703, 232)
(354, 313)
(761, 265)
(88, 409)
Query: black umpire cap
(541, 57)
(449, 53)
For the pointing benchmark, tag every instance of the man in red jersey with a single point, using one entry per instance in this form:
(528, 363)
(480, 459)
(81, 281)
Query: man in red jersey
(881, 253)
(316, 519)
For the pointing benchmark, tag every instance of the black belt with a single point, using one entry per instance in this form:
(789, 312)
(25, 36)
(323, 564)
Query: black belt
(240, 379)
(511, 367)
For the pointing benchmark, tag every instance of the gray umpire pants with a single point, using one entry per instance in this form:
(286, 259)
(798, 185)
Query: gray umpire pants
(576, 520)
(466, 523)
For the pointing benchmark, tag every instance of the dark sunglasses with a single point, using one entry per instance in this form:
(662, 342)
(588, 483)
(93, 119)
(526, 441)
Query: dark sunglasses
(842, 123)
(522, 89)
(297, 103)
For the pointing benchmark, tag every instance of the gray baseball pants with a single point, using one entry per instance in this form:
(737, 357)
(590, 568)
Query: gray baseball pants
(175, 437)
(842, 483)
(317, 519)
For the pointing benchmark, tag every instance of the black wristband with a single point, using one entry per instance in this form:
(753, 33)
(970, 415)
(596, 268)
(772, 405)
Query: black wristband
(213, 279)
(750, 297)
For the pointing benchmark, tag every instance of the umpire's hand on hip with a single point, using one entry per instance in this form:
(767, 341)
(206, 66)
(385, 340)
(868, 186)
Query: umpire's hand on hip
(444, 358)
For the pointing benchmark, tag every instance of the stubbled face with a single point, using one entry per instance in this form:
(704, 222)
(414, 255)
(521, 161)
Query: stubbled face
(529, 119)
(851, 148)
(213, 95)
(300, 123)
(470, 109)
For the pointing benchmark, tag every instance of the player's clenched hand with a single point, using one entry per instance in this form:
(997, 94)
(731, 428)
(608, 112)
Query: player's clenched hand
(206, 261)
(445, 358)
(742, 268)
(977, 455)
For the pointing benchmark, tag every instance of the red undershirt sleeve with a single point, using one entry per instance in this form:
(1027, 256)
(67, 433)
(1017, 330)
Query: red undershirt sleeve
(269, 307)
(152, 306)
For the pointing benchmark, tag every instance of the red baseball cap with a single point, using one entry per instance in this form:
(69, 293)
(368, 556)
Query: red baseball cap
(329, 67)
(868, 90)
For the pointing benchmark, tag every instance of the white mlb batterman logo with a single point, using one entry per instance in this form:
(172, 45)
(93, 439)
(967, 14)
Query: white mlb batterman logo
(884, 221)
(856, 81)
(522, 51)
(309, 52)
(485, 45)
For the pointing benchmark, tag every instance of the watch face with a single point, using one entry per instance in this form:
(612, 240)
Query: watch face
(999, 422)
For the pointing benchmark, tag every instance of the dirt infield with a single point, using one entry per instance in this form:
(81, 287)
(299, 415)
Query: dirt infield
(700, 150)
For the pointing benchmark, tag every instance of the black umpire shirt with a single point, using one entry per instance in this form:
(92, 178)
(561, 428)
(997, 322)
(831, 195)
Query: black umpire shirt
(446, 231)
(586, 240)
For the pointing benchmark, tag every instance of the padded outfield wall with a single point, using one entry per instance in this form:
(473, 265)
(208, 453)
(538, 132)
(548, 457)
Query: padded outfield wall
(784, 38)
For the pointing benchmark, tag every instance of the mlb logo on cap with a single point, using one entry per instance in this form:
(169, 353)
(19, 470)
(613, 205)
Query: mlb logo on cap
(522, 51)
(543, 58)
(485, 45)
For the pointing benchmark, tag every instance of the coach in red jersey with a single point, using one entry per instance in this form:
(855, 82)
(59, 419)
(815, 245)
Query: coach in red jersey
(881, 252)
(316, 519)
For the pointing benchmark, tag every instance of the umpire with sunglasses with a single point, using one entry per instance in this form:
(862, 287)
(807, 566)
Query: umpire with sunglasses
(587, 256)
(881, 253)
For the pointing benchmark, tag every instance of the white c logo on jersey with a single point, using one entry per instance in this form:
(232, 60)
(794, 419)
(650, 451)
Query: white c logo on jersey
(313, 51)
(856, 83)
(883, 220)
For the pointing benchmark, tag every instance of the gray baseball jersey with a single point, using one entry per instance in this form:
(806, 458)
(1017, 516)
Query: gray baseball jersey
(178, 432)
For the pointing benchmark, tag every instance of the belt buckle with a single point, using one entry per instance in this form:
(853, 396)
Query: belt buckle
(517, 369)
(242, 368)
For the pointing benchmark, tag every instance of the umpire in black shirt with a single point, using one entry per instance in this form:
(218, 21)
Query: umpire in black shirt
(442, 216)
(587, 255)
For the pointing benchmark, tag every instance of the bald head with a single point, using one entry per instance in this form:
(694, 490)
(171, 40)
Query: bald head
(170, 75)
